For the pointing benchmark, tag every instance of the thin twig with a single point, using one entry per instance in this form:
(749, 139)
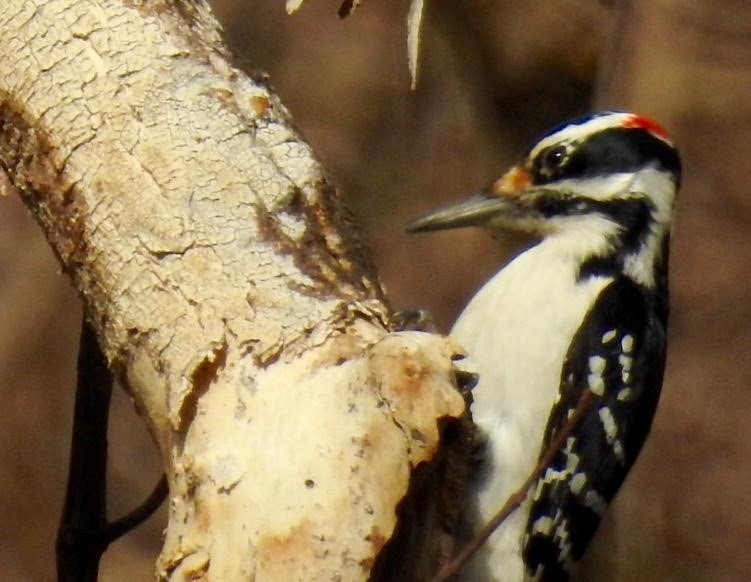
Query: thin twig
(84, 532)
(586, 401)
(134, 518)
(79, 547)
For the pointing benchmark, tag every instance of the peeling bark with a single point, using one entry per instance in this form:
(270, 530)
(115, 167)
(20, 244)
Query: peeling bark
(227, 287)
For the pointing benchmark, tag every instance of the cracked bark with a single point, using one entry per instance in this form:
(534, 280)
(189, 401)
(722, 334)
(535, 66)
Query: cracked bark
(226, 285)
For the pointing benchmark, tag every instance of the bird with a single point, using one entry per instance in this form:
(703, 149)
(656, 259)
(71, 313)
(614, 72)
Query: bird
(584, 307)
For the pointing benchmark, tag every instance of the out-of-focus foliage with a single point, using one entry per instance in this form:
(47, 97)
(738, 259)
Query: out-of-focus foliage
(494, 74)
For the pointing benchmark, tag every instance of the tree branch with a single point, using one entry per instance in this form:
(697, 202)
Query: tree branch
(84, 532)
(137, 516)
(79, 542)
(226, 284)
(586, 401)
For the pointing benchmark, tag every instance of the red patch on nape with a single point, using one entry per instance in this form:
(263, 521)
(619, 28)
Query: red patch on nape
(639, 122)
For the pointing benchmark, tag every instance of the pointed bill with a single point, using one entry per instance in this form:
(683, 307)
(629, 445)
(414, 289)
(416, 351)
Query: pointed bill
(475, 211)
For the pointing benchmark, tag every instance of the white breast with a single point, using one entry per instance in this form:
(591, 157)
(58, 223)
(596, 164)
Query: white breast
(517, 330)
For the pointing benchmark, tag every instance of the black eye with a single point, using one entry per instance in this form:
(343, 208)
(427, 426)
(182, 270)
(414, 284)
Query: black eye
(551, 161)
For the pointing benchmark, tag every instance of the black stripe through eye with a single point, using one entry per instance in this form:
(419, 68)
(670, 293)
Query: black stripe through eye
(621, 150)
(549, 164)
(611, 151)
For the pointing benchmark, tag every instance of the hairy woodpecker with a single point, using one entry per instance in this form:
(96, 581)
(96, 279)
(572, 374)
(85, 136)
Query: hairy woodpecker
(586, 306)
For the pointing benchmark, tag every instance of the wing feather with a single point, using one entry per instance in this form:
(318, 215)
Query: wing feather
(619, 353)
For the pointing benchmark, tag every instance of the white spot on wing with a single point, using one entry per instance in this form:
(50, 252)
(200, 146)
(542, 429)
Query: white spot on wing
(597, 364)
(611, 432)
(618, 450)
(608, 336)
(594, 380)
(577, 482)
(595, 502)
(626, 363)
(624, 394)
(543, 526)
(562, 535)
(553, 475)
(627, 344)
(572, 459)
(608, 423)
(596, 384)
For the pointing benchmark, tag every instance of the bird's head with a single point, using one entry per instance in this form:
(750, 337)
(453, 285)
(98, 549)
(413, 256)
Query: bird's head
(616, 168)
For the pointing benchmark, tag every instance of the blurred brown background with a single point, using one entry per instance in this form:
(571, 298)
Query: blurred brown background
(494, 75)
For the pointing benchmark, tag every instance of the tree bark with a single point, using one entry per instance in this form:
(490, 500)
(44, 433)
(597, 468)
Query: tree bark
(226, 285)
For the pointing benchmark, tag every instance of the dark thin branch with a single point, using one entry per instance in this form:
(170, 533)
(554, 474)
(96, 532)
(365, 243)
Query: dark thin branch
(84, 533)
(586, 401)
(133, 519)
(79, 544)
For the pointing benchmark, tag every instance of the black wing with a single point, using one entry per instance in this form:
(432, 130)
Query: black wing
(619, 351)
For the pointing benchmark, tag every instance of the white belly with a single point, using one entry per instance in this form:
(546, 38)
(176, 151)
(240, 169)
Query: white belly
(517, 330)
